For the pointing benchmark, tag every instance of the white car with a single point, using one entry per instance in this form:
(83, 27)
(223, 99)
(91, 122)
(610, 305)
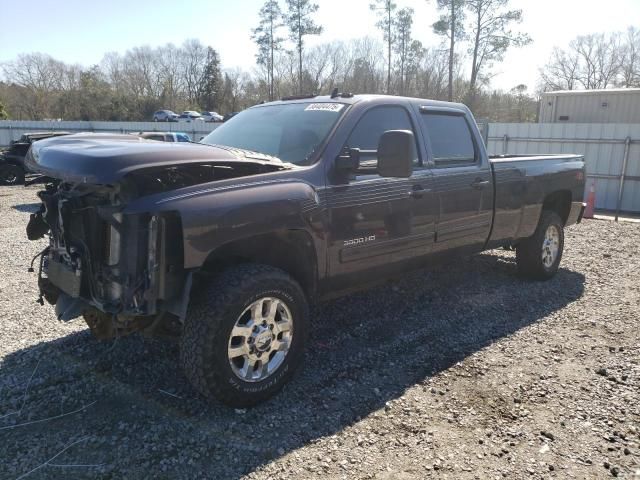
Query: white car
(190, 115)
(164, 136)
(211, 116)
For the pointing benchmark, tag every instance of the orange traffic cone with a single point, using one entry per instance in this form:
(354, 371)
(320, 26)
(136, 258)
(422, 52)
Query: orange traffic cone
(591, 201)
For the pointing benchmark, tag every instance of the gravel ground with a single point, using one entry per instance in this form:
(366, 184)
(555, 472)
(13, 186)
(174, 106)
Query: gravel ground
(466, 371)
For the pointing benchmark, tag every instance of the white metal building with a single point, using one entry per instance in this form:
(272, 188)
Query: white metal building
(620, 105)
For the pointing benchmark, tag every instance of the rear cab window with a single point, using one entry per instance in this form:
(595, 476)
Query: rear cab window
(449, 138)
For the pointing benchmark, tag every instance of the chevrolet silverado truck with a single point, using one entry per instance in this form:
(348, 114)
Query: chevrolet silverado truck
(228, 241)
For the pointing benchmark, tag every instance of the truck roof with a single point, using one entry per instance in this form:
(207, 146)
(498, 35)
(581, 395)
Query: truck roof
(381, 99)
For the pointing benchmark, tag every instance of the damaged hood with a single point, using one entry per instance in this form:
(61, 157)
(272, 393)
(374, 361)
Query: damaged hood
(105, 158)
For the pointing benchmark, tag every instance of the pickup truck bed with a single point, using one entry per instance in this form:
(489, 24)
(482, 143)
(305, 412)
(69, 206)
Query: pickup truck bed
(285, 204)
(522, 181)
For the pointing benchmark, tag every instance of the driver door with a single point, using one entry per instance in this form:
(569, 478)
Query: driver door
(377, 223)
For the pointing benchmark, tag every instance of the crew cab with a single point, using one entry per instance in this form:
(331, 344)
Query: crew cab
(288, 203)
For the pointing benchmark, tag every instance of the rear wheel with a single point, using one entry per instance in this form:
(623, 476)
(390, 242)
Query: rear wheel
(244, 336)
(11, 175)
(539, 256)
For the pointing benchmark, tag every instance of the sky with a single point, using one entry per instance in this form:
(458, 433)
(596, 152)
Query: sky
(81, 31)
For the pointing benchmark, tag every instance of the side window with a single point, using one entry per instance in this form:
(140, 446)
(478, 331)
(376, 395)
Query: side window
(372, 125)
(450, 139)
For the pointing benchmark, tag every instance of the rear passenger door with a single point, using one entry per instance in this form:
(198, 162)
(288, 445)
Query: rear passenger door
(461, 178)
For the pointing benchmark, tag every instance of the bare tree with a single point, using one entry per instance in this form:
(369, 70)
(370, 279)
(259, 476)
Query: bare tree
(169, 71)
(592, 62)
(193, 69)
(600, 59)
(41, 76)
(630, 71)
(561, 71)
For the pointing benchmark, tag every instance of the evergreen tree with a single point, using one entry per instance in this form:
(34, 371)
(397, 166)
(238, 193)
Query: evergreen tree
(385, 9)
(491, 37)
(266, 37)
(451, 25)
(403, 24)
(300, 24)
(211, 82)
(3, 113)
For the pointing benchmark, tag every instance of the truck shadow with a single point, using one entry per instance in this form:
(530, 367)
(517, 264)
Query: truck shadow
(365, 350)
(27, 207)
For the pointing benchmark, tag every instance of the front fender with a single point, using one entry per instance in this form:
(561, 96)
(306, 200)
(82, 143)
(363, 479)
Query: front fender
(216, 216)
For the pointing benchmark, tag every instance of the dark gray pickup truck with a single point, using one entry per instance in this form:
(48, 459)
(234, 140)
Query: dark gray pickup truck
(227, 242)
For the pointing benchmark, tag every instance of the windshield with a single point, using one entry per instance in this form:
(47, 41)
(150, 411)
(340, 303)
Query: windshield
(292, 132)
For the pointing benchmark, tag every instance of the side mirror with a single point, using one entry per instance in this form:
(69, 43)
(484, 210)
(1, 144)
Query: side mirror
(349, 160)
(396, 152)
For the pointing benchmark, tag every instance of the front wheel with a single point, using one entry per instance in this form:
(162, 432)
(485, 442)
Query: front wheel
(538, 257)
(244, 336)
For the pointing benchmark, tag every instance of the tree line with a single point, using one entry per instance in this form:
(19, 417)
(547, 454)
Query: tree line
(595, 61)
(476, 35)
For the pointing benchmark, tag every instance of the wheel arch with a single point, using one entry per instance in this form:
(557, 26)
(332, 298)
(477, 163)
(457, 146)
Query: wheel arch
(289, 250)
(558, 202)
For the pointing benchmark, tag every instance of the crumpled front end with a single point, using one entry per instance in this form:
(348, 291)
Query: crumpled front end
(116, 247)
(99, 258)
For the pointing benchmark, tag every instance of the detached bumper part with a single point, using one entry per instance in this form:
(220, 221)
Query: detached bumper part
(68, 308)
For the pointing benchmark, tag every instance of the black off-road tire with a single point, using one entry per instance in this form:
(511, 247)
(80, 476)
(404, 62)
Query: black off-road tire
(11, 175)
(529, 251)
(211, 317)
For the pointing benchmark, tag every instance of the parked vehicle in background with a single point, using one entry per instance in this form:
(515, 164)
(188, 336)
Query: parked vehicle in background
(212, 116)
(165, 116)
(190, 115)
(165, 136)
(229, 116)
(12, 168)
(292, 202)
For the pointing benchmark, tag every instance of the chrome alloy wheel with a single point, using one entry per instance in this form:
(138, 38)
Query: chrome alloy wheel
(550, 246)
(260, 339)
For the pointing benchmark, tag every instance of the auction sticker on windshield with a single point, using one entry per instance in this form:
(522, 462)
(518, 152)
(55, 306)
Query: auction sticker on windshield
(325, 107)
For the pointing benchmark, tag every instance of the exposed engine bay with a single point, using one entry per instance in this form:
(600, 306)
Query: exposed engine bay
(121, 271)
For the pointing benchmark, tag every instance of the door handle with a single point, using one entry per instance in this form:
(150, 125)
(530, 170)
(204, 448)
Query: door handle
(479, 184)
(417, 191)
